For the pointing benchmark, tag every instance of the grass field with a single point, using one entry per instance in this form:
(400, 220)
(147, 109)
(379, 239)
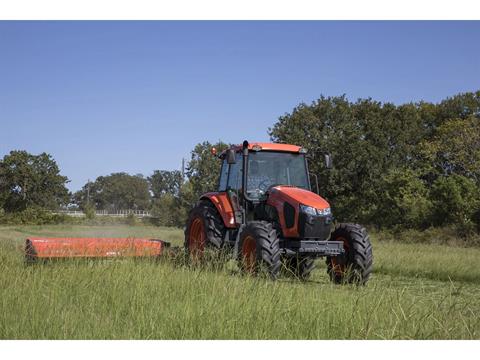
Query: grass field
(416, 292)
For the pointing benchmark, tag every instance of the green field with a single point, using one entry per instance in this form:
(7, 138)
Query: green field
(416, 292)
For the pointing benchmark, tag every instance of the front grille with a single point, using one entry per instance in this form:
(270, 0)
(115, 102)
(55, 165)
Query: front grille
(314, 227)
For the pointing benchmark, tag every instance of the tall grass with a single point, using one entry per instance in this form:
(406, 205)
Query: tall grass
(416, 292)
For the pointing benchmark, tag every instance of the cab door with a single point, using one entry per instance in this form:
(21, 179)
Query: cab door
(230, 182)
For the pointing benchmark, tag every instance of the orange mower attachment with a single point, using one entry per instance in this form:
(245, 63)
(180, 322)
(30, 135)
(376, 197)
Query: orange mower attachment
(49, 248)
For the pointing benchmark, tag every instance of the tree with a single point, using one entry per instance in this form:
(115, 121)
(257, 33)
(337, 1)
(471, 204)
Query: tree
(172, 210)
(203, 168)
(167, 211)
(164, 182)
(454, 149)
(28, 180)
(384, 153)
(404, 200)
(456, 200)
(168, 206)
(115, 192)
(365, 138)
(460, 106)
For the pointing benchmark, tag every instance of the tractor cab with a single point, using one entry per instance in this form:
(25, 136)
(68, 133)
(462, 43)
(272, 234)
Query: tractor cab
(265, 169)
(276, 178)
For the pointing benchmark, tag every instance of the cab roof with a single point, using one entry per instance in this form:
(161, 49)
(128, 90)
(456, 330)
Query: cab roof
(260, 146)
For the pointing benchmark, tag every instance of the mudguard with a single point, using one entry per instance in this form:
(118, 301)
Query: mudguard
(224, 207)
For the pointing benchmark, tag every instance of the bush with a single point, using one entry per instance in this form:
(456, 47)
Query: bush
(168, 211)
(446, 235)
(131, 220)
(404, 201)
(32, 216)
(89, 211)
(456, 200)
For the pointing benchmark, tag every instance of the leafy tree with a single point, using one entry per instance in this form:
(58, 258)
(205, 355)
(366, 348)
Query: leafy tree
(89, 211)
(167, 211)
(164, 182)
(454, 149)
(203, 168)
(28, 180)
(404, 200)
(115, 192)
(365, 138)
(170, 210)
(460, 106)
(456, 200)
(385, 155)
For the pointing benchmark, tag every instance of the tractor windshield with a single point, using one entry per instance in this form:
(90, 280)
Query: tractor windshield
(267, 168)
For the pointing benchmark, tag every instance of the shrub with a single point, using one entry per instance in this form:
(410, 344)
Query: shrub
(131, 220)
(404, 201)
(446, 235)
(456, 200)
(168, 211)
(89, 211)
(32, 216)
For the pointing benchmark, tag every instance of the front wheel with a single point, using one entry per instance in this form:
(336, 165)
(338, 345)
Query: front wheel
(259, 249)
(354, 266)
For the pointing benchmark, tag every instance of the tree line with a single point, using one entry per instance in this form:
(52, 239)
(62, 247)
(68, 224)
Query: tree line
(30, 184)
(414, 165)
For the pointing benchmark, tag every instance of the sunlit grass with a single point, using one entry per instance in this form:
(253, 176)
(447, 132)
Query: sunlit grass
(416, 291)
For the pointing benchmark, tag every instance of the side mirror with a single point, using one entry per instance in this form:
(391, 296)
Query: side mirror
(231, 157)
(328, 161)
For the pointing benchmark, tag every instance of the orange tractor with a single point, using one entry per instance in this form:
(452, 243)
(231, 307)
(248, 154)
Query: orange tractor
(265, 213)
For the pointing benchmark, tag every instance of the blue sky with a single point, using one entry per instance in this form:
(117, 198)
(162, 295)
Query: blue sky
(104, 97)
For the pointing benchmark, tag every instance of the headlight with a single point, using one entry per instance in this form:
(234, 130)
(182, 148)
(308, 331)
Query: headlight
(324, 212)
(308, 210)
(313, 211)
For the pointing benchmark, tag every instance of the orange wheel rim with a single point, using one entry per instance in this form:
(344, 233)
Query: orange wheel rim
(249, 250)
(338, 267)
(196, 238)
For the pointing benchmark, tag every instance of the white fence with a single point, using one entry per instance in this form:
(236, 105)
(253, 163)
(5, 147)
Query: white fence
(118, 213)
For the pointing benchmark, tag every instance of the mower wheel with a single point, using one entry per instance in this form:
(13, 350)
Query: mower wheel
(205, 229)
(259, 249)
(355, 265)
(300, 267)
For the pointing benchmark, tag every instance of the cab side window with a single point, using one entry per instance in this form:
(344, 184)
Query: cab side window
(235, 178)
(222, 186)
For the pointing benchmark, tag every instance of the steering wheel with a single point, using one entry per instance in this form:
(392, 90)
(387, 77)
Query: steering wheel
(272, 186)
(264, 185)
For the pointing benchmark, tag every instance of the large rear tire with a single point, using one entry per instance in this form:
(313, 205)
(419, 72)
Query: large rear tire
(259, 249)
(204, 230)
(355, 265)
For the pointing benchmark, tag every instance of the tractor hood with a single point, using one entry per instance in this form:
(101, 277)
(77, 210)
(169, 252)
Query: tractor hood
(295, 196)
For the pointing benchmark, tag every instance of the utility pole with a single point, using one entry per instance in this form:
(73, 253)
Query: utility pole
(88, 191)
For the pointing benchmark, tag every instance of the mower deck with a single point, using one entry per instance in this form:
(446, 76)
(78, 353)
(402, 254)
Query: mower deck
(48, 248)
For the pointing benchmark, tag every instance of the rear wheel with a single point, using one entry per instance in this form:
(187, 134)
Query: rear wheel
(259, 249)
(300, 267)
(355, 264)
(205, 230)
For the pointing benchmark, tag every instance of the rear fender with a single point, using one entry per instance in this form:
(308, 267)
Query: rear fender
(224, 207)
